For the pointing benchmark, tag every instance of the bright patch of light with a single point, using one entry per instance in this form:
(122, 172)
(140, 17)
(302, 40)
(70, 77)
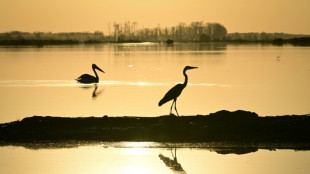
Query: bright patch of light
(135, 170)
(144, 84)
(136, 144)
(129, 83)
(137, 151)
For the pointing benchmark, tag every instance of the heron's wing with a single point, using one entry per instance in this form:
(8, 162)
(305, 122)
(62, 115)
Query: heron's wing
(173, 93)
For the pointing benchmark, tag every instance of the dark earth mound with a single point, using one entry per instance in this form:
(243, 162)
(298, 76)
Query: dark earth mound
(238, 126)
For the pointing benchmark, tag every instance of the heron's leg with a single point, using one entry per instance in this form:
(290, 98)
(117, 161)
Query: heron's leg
(175, 106)
(171, 107)
(175, 154)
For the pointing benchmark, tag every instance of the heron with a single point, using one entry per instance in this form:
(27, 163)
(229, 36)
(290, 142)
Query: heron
(86, 78)
(175, 92)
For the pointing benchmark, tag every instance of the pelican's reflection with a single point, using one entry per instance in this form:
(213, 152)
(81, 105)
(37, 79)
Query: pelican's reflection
(95, 93)
(173, 163)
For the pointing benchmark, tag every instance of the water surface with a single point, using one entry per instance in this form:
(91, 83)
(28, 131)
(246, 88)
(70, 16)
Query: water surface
(40, 81)
(150, 157)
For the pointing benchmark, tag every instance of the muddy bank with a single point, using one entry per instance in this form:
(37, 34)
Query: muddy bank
(238, 126)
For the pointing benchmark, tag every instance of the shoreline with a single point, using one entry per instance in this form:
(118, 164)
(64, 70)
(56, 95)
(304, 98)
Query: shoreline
(218, 147)
(222, 126)
(295, 41)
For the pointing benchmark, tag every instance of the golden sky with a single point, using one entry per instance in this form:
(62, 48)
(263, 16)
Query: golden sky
(289, 16)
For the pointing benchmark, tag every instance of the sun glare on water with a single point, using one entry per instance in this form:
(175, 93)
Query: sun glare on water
(136, 148)
(137, 144)
(135, 170)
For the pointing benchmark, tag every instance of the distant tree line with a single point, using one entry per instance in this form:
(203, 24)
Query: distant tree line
(273, 38)
(130, 32)
(125, 32)
(261, 36)
(301, 41)
(45, 38)
(195, 31)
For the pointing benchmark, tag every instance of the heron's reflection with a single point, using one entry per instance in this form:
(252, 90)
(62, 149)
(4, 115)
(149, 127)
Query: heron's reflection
(173, 163)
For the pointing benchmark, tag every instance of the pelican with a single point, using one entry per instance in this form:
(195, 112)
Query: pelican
(175, 92)
(86, 78)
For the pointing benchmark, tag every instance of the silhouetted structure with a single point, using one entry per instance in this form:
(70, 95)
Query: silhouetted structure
(175, 92)
(86, 78)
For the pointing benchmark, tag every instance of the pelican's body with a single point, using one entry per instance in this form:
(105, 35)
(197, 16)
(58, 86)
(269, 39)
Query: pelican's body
(86, 78)
(175, 92)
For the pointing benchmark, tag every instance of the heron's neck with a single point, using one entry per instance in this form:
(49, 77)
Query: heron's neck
(96, 74)
(186, 78)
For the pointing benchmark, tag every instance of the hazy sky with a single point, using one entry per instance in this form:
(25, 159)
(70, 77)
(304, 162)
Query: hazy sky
(289, 16)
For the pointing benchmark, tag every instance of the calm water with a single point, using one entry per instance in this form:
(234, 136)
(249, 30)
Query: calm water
(150, 158)
(40, 81)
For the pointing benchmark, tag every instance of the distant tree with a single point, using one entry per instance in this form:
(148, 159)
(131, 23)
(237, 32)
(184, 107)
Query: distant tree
(204, 38)
(217, 31)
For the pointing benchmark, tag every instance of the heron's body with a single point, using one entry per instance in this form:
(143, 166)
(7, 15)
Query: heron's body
(175, 92)
(86, 78)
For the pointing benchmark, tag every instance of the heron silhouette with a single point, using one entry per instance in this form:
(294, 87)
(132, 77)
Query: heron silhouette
(86, 78)
(175, 92)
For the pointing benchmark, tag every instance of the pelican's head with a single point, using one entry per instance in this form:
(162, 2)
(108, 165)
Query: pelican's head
(189, 67)
(94, 66)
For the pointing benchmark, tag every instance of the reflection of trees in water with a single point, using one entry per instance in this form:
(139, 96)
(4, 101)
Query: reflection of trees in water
(196, 48)
(173, 163)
